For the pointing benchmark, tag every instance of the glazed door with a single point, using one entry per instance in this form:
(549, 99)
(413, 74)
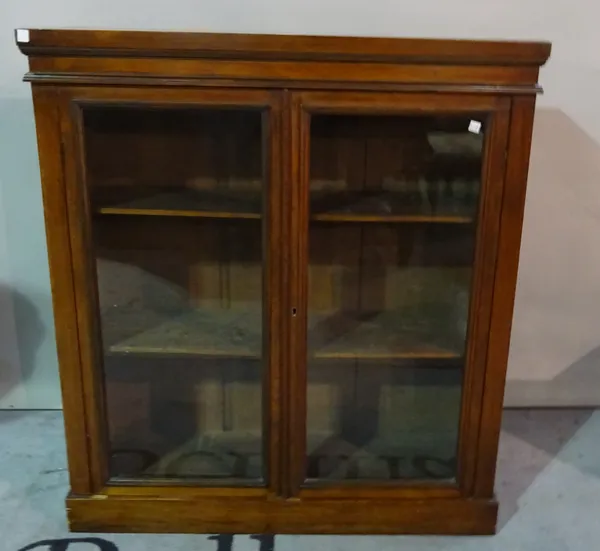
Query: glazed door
(172, 211)
(398, 208)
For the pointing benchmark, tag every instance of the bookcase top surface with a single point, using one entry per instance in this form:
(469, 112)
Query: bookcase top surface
(118, 43)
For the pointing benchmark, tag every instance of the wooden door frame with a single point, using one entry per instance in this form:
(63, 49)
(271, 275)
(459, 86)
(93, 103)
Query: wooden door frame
(301, 106)
(65, 196)
(507, 261)
(66, 222)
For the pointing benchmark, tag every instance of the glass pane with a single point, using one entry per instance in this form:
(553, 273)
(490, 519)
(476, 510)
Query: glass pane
(177, 198)
(393, 206)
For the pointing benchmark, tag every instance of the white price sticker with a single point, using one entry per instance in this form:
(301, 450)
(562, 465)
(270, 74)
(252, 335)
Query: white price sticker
(475, 127)
(22, 35)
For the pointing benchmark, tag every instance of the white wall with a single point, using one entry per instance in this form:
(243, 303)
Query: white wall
(556, 338)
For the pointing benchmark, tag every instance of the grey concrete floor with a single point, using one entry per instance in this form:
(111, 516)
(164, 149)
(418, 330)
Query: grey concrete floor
(548, 485)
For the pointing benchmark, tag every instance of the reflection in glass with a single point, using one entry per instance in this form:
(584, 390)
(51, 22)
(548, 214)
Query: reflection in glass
(393, 204)
(176, 196)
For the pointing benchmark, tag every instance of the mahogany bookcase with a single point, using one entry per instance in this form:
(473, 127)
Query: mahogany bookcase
(283, 271)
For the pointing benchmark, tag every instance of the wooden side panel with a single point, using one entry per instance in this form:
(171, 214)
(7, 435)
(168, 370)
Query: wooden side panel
(481, 295)
(513, 204)
(85, 288)
(47, 117)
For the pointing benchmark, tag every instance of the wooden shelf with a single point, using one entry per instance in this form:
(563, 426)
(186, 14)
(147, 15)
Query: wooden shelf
(391, 219)
(200, 333)
(180, 213)
(391, 207)
(335, 207)
(406, 333)
(230, 334)
(182, 202)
